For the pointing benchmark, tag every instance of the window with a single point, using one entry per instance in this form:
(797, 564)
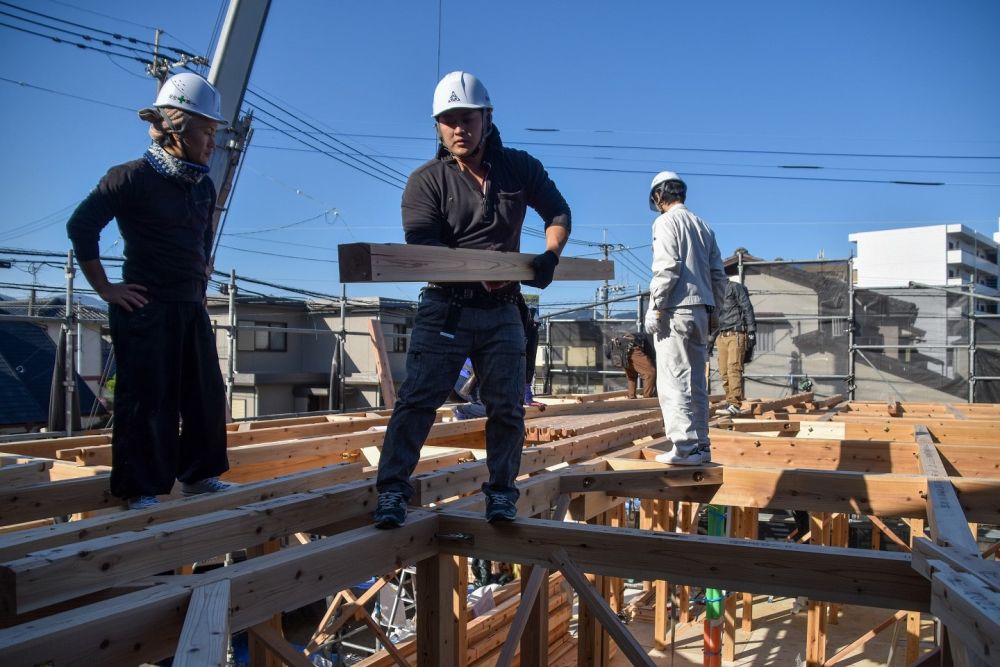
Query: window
(272, 338)
(765, 338)
(399, 340)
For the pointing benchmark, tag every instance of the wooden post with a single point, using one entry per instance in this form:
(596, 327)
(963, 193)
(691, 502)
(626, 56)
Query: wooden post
(438, 612)
(838, 538)
(660, 521)
(535, 637)
(685, 521)
(646, 523)
(259, 654)
(750, 531)
(816, 614)
(734, 528)
(913, 617)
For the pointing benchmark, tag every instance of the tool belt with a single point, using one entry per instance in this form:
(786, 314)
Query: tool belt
(470, 296)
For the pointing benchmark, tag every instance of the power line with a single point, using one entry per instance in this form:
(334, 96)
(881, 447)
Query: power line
(25, 84)
(115, 35)
(60, 40)
(330, 135)
(825, 179)
(274, 254)
(319, 150)
(737, 151)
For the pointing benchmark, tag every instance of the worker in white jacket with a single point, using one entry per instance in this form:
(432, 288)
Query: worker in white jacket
(688, 280)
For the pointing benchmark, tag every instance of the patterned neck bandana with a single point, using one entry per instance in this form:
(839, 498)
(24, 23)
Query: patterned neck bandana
(171, 167)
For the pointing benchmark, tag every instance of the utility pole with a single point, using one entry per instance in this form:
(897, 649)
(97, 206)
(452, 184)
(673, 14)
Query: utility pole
(69, 382)
(231, 64)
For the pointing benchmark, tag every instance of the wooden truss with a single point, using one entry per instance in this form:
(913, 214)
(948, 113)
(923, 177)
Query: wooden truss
(92, 590)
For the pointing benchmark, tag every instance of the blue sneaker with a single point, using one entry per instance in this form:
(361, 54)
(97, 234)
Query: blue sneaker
(143, 502)
(391, 510)
(500, 508)
(208, 485)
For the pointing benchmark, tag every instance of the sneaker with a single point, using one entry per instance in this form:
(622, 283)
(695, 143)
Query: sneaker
(143, 502)
(706, 453)
(529, 397)
(695, 458)
(207, 485)
(500, 508)
(390, 512)
(729, 411)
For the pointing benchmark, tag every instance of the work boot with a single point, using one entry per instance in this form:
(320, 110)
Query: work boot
(391, 510)
(500, 508)
(207, 485)
(142, 502)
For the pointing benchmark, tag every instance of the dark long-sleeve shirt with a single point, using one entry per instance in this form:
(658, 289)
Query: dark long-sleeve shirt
(737, 311)
(442, 207)
(166, 226)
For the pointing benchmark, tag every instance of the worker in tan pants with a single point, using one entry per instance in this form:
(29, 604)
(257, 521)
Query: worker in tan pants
(735, 338)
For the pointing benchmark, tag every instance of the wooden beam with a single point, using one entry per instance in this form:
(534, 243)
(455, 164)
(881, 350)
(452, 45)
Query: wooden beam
(794, 399)
(948, 525)
(842, 575)
(25, 474)
(382, 368)
(926, 552)
(48, 577)
(458, 480)
(970, 611)
(16, 545)
(145, 626)
(48, 499)
(832, 491)
(644, 483)
(401, 263)
(599, 608)
(843, 653)
(204, 638)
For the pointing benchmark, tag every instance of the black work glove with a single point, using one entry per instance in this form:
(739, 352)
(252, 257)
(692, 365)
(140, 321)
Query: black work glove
(751, 343)
(544, 266)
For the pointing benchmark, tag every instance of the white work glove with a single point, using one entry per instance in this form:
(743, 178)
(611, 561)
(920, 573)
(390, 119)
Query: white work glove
(652, 321)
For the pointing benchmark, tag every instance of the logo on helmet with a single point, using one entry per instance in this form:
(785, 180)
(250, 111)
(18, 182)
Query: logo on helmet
(454, 97)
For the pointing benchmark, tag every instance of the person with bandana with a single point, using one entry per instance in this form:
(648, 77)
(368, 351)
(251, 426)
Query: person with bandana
(473, 194)
(167, 365)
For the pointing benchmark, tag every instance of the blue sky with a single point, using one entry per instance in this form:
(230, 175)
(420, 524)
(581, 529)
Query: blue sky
(743, 87)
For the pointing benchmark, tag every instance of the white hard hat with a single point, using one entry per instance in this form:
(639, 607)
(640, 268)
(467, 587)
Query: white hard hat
(460, 90)
(189, 92)
(662, 177)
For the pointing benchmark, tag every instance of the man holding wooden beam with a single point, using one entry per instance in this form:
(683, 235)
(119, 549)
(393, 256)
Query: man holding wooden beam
(473, 194)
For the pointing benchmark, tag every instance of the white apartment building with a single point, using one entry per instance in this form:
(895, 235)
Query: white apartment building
(940, 255)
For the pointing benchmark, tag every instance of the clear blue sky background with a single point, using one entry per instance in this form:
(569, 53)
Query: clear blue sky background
(624, 86)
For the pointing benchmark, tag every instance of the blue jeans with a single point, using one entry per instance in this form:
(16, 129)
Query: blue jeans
(494, 339)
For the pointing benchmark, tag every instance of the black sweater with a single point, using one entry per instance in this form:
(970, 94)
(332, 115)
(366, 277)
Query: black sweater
(166, 226)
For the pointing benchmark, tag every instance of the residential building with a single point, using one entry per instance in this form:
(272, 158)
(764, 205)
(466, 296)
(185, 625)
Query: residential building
(285, 355)
(941, 255)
